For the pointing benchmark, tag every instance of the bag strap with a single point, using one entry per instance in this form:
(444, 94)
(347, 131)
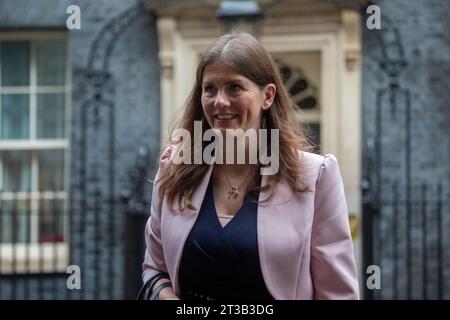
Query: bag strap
(155, 294)
(147, 287)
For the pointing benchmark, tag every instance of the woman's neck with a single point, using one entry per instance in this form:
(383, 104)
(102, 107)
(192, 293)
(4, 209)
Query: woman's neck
(235, 171)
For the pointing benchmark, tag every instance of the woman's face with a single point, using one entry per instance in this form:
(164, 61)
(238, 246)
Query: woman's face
(232, 101)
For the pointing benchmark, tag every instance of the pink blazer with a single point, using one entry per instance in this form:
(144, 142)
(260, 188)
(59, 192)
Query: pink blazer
(304, 241)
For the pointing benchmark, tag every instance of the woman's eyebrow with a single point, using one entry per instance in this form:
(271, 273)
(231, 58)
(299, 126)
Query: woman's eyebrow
(236, 80)
(204, 83)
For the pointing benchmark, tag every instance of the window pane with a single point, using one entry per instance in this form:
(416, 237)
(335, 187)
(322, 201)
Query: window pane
(51, 222)
(51, 170)
(16, 170)
(51, 62)
(15, 116)
(50, 116)
(16, 224)
(15, 63)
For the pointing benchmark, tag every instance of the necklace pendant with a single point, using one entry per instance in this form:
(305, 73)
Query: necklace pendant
(233, 193)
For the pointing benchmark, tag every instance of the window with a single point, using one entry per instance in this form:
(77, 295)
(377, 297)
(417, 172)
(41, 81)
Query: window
(300, 72)
(33, 149)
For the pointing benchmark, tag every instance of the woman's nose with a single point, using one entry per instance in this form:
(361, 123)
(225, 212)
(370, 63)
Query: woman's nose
(221, 100)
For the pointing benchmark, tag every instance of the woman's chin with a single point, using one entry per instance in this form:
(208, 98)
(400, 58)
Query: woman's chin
(225, 128)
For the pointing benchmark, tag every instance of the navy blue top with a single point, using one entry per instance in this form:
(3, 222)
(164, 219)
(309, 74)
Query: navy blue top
(223, 262)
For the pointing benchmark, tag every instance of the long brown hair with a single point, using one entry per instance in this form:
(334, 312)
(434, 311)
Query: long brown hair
(247, 56)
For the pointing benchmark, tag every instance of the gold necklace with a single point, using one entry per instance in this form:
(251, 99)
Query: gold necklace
(234, 191)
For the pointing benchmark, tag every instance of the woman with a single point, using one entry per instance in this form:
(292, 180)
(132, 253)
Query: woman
(221, 231)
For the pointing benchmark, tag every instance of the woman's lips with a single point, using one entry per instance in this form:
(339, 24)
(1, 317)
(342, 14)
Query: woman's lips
(225, 120)
(225, 116)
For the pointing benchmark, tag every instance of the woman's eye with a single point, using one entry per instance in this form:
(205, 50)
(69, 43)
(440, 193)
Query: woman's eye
(208, 89)
(235, 87)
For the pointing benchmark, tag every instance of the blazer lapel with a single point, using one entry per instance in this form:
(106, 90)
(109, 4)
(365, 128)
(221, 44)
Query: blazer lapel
(279, 235)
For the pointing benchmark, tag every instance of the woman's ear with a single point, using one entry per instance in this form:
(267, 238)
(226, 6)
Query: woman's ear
(269, 92)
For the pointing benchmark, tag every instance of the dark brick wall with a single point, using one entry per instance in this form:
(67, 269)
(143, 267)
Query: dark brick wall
(423, 29)
(132, 90)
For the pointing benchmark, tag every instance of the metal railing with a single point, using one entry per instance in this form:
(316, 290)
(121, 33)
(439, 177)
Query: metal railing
(32, 242)
(409, 243)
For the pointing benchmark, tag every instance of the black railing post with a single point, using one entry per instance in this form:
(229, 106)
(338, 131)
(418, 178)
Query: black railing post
(439, 241)
(395, 212)
(369, 209)
(408, 195)
(54, 238)
(97, 238)
(134, 252)
(1, 242)
(14, 248)
(40, 243)
(424, 242)
(27, 242)
(136, 210)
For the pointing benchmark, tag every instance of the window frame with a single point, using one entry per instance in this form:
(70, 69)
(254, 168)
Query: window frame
(35, 257)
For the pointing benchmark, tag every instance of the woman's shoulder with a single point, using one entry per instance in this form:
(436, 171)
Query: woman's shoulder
(165, 158)
(314, 165)
(314, 159)
(167, 152)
